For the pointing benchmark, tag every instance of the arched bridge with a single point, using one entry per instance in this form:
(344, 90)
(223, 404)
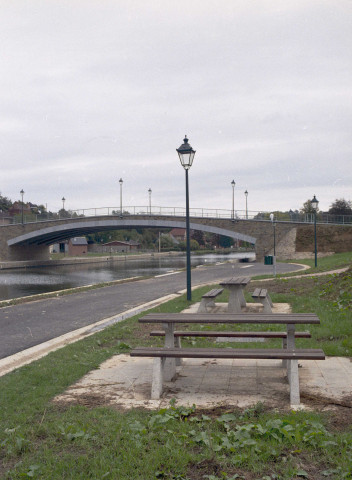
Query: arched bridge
(30, 241)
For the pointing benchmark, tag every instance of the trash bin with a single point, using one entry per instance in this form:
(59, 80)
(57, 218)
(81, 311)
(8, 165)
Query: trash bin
(268, 260)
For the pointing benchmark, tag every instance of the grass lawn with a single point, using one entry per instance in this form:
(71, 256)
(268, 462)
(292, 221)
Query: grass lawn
(43, 440)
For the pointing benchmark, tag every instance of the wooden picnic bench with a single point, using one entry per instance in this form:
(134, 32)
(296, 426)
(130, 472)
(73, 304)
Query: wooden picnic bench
(235, 286)
(261, 295)
(164, 367)
(208, 299)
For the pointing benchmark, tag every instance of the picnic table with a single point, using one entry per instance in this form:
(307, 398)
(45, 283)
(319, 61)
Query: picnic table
(165, 357)
(235, 286)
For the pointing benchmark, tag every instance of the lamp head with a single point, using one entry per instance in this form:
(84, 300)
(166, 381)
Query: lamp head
(186, 154)
(314, 202)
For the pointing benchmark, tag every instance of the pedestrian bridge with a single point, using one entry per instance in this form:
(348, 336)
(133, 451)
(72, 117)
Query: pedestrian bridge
(31, 241)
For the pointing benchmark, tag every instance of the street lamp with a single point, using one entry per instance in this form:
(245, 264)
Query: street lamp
(272, 218)
(246, 194)
(150, 201)
(121, 182)
(233, 183)
(186, 155)
(314, 202)
(22, 193)
(63, 203)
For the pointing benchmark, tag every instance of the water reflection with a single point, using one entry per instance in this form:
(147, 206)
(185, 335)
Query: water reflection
(20, 283)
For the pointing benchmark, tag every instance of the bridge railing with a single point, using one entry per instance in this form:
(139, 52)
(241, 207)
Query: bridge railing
(178, 212)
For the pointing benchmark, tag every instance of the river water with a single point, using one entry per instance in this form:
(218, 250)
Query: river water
(24, 282)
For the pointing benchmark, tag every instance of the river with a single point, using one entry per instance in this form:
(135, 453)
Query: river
(21, 283)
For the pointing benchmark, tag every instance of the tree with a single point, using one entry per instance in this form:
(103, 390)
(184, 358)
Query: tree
(199, 236)
(5, 203)
(193, 244)
(341, 207)
(226, 242)
(166, 242)
(307, 207)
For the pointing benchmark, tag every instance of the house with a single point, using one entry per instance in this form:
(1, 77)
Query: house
(179, 234)
(120, 246)
(77, 246)
(18, 207)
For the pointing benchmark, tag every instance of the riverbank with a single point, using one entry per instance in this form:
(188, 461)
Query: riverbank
(83, 260)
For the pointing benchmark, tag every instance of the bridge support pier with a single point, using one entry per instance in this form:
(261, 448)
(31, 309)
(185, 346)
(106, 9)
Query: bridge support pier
(24, 252)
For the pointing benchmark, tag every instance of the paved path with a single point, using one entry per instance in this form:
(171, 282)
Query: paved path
(24, 326)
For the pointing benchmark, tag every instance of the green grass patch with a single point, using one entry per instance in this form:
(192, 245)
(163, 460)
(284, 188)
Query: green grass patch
(324, 264)
(43, 440)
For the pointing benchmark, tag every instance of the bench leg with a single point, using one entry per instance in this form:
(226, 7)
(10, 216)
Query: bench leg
(202, 306)
(292, 374)
(270, 301)
(266, 304)
(284, 345)
(178, 361)
(289, 341)
(169, 366)
(157, 380)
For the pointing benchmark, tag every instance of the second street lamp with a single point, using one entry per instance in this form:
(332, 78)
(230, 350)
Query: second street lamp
(233, 183)
(22, 193)
(314, 202)
(246, 194)
(121, 182)
(150, 201)
(186, 155)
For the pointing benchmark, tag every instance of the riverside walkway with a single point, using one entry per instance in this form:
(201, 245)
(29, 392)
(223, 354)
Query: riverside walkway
(26, 325)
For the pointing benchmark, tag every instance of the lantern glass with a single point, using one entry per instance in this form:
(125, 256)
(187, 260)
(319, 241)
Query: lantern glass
(314, 202)
(186, 154)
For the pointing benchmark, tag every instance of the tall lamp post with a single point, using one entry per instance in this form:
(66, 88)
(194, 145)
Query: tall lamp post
(233, 183)
(314, 202)
(246, 194)
(186, 155)
(150, 201)
(63, 203)
(272, 218)
(121, 182)
(22, 193)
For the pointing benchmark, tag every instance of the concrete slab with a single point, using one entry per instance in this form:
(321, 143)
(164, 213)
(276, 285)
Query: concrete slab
(125, 382)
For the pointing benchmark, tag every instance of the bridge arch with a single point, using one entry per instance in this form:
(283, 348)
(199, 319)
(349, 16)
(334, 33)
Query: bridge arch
(56, 233)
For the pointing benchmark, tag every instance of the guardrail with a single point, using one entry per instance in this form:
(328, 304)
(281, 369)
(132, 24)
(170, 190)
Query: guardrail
(179, 212)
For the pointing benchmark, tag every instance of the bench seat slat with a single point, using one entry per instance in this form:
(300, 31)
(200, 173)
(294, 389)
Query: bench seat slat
(224, 333)
(274, 354)
(213, 293)
(259, 318)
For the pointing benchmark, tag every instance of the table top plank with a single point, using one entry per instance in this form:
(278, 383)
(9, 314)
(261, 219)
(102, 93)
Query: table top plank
(236, 281)
(229, 318)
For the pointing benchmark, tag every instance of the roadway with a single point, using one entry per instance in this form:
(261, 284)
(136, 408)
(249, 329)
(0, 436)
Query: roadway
(29, 324)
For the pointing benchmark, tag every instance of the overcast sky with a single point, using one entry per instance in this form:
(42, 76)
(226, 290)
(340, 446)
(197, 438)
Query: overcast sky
(92, 91)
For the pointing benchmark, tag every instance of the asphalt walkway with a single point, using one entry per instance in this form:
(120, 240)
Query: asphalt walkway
(27, 325)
